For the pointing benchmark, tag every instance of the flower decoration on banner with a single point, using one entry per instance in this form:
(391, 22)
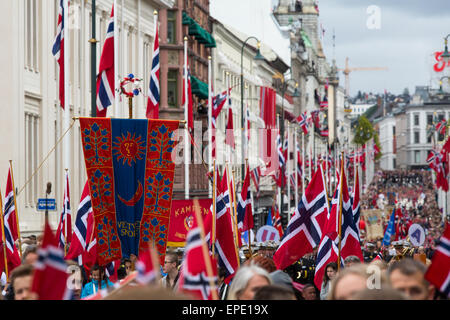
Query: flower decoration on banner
(136, 89)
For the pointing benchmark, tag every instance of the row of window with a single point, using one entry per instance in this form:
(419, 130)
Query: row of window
(416, 118)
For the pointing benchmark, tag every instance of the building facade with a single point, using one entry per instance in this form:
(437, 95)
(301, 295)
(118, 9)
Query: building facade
(31, 112)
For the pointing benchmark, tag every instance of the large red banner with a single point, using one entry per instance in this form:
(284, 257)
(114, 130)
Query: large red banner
(181, 218)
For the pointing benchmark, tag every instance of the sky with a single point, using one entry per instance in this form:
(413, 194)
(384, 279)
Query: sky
(401, 35)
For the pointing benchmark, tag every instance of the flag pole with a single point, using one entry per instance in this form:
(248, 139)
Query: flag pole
(208, 265)
(116, 63)
(67, 142)
(93, 42)
(341, 178)
(233, 190)
(210, 97)
(3, 238)
(296, 166)
(213, 223)
(16, 209)
(233, 221)
(326, 165)
(288, 169)
(303, 164)
(66, 181)
(186, 131)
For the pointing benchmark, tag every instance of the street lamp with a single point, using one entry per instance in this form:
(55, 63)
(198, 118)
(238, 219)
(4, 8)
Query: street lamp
(257, 57)
(446, 55)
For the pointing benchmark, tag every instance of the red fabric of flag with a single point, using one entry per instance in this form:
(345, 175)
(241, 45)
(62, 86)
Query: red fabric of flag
(50, 270)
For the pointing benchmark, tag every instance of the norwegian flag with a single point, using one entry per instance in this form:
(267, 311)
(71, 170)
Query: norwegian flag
(78, 244)
(244, 207)
(280, 149)
(224, 237)
(315, 119)
(50, 275)
(328, 248)
(304, 230)
(105, 78)
(302, 121)
(438, 272)
(64, 231)
(111, 270)
(147, 270)
(434, 158)
(255, 174)
(299, 164)
(376, 150)
(438, 162)
(441, 126)
(190, 102)
(277, 221)
(217, 105)
(349, 231)
(446, 146)
(194, 276)
(229, 131)
(218, 102)
(247, 125)
(153, 89)
(58, 49)
(356, 204)
(10, 226)
(324, 102)
(379, 256)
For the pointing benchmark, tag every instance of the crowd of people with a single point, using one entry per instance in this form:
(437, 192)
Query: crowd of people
(399, 276)
(399, 268)
(414, 192)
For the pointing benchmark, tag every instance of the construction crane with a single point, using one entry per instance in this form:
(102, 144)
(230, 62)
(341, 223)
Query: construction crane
(347, 71)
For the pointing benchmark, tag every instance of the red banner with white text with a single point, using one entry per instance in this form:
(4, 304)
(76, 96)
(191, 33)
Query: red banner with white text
(181, 218)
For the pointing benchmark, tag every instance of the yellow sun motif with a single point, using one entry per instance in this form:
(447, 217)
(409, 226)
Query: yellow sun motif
(128, 148)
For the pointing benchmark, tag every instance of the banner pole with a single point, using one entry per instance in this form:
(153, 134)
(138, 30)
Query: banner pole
(340, 211)
(186, 131)
(303, 163)
(3, 239)
(116, 64)
(213, 231)
(296, 167)
(210, 97)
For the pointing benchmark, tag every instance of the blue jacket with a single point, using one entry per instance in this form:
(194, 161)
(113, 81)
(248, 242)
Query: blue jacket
(88, 289)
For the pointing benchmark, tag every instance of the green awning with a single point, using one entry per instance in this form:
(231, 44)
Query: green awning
(200, 34)
(306, 39)
(199, 88)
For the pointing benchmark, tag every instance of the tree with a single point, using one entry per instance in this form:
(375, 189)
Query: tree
(363, 131)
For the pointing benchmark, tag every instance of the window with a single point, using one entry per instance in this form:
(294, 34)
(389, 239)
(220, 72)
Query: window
(416, 156)
(32, 33)
(429, 138)
(416, 137)
(172, 85)
(429, 119)
(416, 119)
(394, 163)
(31, 152)
(171, 27)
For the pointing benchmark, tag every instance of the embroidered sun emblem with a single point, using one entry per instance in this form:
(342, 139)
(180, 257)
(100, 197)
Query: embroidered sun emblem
(128, 148)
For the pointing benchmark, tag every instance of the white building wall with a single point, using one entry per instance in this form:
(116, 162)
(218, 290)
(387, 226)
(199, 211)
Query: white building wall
(31, 117)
